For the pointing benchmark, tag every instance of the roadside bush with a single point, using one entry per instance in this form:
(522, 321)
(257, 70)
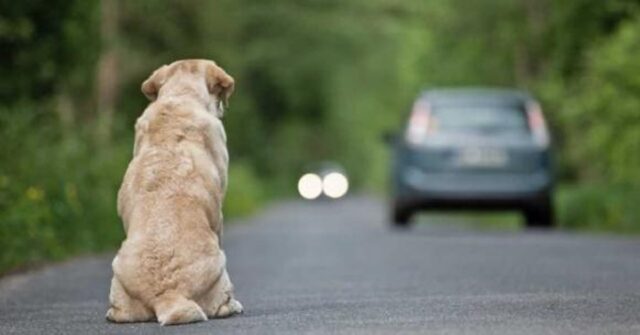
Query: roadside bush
(603, 116)
(245, 193)
(601, 121)
(600, 208)
(57, 190)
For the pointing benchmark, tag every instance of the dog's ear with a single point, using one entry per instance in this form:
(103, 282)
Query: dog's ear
(219, 84)
(151, 86)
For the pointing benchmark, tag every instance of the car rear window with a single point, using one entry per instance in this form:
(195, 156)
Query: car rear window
(479, 118)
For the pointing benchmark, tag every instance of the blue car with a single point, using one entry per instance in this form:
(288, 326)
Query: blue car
(473, 149)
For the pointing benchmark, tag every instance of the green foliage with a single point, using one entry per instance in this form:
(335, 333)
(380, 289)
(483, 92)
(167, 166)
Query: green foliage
(602, 118)
(57, 191)
(574, 26)
(47, 47)
(599, 208)
(244, 194)
(601, 122)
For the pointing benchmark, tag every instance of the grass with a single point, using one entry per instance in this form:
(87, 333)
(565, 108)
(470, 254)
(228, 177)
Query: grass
(504, 221)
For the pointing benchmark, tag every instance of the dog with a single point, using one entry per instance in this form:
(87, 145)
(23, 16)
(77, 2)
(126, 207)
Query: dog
(171, 266)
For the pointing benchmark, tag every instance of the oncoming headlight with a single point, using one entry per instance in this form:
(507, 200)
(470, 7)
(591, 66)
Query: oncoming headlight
(310, 186)
(335, 185)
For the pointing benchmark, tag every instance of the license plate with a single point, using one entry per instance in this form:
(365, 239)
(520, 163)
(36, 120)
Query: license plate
(482, 157)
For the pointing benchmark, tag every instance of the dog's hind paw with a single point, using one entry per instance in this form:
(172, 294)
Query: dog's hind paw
(111, 315)
(118, 316)
(232, 307)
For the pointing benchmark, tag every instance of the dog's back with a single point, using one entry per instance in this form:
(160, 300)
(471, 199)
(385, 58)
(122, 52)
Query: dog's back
(170, 202)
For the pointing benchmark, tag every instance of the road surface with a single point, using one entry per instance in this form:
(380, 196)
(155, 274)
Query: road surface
(336, 268)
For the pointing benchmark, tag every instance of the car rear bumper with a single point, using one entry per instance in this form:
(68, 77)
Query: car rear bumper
(418, 189)
(471, 201)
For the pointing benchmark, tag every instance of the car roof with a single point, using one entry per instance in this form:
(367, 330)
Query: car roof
(483, 96)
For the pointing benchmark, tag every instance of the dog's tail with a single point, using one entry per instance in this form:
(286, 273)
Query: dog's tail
(172, 309)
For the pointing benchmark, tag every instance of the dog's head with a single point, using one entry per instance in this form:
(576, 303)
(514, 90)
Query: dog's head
(192, 76)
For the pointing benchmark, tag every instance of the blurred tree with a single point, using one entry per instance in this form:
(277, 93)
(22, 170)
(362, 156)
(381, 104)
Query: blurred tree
(603, 118)
(48, 49)
(107, 69)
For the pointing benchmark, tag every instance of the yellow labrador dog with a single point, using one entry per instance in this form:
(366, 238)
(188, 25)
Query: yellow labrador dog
(171, 267)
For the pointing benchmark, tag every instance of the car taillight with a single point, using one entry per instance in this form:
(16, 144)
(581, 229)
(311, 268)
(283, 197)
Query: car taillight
(537, 124)
(420, 123)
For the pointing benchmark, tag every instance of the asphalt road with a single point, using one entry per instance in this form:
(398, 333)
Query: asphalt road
(336, 267)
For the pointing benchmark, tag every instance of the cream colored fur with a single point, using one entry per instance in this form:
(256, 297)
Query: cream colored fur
(171, 266)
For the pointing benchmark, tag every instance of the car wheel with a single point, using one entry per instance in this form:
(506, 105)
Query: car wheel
(400, 217)
(540, 214)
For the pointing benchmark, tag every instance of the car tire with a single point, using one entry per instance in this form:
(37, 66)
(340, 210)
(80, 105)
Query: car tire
(400, 218)
(540, 214)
